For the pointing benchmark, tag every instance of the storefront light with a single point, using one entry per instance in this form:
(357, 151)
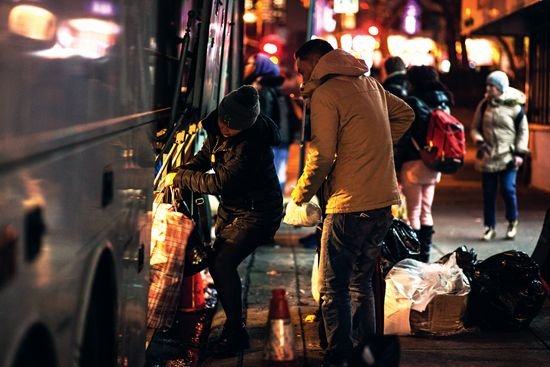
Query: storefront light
(86, 37)
(32, 22)
(363, 43)
(373, 30)
(348, 21)
(445, 66)
(249, 17)
(329, 24)
(347, 42)
(332, 40)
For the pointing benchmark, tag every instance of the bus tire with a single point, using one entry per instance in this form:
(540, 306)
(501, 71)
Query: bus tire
(98, 344)
(37, 349)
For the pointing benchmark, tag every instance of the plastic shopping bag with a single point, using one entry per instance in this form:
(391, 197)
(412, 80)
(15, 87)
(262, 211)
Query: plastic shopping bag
(306, 215)
(169, 237)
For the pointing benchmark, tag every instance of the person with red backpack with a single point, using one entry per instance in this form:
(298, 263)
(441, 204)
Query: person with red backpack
(417, 180)
(501, 133)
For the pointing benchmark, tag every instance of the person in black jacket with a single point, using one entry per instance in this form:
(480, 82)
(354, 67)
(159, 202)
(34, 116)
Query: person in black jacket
(417, 180)
(396, 81)
(238, 149)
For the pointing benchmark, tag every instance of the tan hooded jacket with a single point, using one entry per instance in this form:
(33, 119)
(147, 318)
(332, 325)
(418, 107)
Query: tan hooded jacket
(354, 123)
(499, 134)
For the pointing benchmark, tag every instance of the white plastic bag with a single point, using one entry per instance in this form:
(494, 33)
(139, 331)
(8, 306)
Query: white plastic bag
(305, 215)
(411, 285)
(315, 281)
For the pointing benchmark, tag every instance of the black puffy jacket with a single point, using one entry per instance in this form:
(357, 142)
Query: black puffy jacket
(244, 177)
(397, 85)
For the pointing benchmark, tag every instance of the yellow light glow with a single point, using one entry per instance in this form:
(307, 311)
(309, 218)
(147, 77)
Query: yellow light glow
(275, 59)
(32, 22)
(414, 51)
(348, 21)
(481, 51)
(249, 17)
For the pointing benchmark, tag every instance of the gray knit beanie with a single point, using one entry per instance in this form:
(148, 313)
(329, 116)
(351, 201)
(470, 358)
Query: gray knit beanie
(240, 108)
(499, 79)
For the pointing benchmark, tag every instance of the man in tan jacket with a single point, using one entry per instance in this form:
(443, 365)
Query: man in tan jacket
(354, 123)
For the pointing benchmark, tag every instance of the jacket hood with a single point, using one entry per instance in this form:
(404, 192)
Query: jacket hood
(510, 97)
(433, 98)
(264, 130)
(335, 63)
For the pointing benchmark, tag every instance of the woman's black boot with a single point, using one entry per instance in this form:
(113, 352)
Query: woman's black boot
(425, 237)
(232, 341)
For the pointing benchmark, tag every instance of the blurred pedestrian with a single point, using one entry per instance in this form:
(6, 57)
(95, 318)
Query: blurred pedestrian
(238, 150)
(353, 124)
(264, 75)
(501, 133)
(396, 81)
(417, 180)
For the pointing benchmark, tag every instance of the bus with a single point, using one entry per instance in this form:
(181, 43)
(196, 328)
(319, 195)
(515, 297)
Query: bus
(93, 93)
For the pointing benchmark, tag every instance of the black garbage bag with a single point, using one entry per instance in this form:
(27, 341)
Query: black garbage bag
(400, 243)
(466, 259)
(506, 292)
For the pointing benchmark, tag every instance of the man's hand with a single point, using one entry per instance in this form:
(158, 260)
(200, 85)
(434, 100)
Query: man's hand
(169, 179)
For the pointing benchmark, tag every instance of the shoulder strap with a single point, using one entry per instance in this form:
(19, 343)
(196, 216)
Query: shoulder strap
(481, 113)
(519, 118)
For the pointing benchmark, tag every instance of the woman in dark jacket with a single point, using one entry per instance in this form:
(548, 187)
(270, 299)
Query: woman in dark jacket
(416, 179)
(238, 150)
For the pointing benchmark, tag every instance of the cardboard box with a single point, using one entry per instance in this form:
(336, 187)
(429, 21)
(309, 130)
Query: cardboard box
(444, 315)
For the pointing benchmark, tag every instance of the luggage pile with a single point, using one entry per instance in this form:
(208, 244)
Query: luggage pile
(457, 293)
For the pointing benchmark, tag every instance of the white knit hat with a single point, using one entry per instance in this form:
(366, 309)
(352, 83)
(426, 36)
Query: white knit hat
(499, 79)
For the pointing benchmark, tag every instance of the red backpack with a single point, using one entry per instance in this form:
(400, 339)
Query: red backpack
(445, 145)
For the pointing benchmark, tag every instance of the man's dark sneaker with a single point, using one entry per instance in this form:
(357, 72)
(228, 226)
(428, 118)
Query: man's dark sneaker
(231, 342)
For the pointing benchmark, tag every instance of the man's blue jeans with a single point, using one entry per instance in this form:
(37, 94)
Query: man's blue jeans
(507, 181)
(350, 245)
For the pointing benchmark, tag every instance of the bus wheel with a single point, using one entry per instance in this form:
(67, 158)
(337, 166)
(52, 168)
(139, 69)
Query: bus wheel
(36, 350)
(98, 346)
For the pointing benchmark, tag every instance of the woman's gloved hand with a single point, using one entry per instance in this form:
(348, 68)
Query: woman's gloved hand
(482, 149)
(518, 161)
(169, 179)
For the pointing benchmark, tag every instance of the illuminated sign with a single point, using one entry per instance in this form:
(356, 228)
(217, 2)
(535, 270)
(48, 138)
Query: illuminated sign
(346, 6)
